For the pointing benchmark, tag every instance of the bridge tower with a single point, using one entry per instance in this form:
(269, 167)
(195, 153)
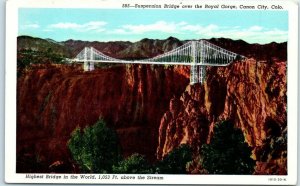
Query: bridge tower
(202, 69)
(194, 68)
(91, 67)
(197, 72)
(85, 60)
(88, 61)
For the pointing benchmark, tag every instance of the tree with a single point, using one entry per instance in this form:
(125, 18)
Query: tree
(95, 149)
(134, 164)
(175, 162)
(227, 153)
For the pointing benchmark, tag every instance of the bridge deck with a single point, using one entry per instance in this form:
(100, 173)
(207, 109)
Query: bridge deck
(151, 63)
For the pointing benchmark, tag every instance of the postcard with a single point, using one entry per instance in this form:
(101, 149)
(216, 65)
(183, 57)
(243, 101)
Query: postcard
(151, 92)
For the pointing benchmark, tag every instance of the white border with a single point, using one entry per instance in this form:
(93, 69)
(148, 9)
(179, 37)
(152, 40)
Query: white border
(10, 91)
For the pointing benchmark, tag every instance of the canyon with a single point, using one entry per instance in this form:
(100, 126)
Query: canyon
(152, 107)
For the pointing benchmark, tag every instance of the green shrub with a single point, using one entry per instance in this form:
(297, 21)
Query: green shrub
(95, 149)
(134, 164)
(227, 153)
(175, 162)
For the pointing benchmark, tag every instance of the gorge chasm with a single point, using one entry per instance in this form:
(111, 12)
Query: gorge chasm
(153, 108)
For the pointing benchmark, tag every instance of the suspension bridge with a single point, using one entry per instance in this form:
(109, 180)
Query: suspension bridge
(197, 54)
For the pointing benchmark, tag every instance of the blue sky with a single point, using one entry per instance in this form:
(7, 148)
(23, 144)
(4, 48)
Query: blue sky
(135, 24)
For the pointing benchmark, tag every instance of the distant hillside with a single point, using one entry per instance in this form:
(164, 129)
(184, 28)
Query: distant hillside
(144, 48)
(147, 48)
(108, 48)
(268, 51)
(42, 45)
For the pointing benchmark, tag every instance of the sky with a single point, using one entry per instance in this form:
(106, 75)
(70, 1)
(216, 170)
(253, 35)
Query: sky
(135, 24)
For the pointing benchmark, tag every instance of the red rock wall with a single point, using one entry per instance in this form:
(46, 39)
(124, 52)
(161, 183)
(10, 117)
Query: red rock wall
(53, 99)
(252, 94)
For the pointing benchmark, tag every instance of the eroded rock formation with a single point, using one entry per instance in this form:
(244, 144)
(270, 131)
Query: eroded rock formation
(52, 100)
(252, 94)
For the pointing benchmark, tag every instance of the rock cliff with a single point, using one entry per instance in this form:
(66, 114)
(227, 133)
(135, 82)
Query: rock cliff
(252, 94)
(53, 99)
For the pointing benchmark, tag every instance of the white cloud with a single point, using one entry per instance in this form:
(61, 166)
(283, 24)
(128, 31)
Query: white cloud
(182, 30)
(252, 34)
(31, 26)
(255, 28)
(159, 26)
(120, 31)
(165, 27)
(97, 26)
(47, 30)
(65, 26)
(198, 29)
